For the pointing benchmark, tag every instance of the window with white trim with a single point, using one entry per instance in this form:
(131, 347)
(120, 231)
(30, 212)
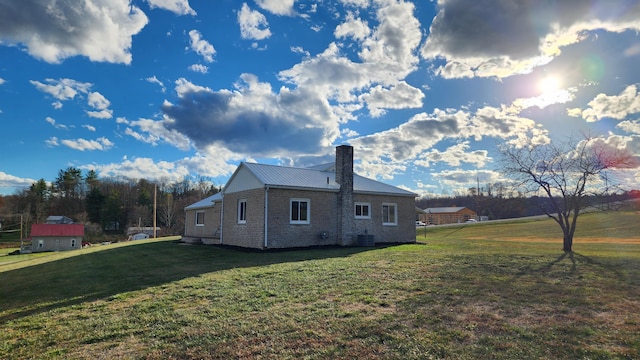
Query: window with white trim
(40, 244)
(389, 214)
(362, 210)
(73, 243)
(242, 211)
(199, 218)
(300, 211)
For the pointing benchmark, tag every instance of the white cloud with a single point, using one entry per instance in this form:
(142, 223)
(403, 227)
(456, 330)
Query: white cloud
(52, 121)
(97, 101)
(386, 57)
(101, 114)
(101, 143)
(300, 50)
(632, 127)
(2, 81)
(183, 86)
(356, 3)
(179, 7)
(253, 119)
(52, 142)
(152, 132)
(386, 153)
(485, 38)
(143, 168)
(459, 181)
(455, 156)
(253, 24)
(154, 80)
(200, 46)
(67, 89)
(400, 96)
(212, 162)
(100, 104)
(559, 96)
(89, 127)
(357, 29)
(199, 68)
(12, 181)
(277, 7)
(326, 90)
(615, 107)
(53, 30)
(62, 89)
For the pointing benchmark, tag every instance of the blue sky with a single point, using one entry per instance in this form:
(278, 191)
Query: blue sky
(425, 91)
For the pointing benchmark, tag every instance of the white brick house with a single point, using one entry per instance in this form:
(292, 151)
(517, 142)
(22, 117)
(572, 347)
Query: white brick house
(268, 206)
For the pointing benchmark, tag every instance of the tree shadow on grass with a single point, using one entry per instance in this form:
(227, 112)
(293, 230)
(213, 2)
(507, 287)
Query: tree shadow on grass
(103, 274)
(549, 266)
(578, 264)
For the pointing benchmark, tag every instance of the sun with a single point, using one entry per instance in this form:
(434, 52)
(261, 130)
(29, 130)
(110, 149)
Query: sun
(549, 84)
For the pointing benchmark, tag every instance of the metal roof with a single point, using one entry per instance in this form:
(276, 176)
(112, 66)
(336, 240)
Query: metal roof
(319, 178)
(206, 202)
(312, 178)
(57, 230)
(440, 210)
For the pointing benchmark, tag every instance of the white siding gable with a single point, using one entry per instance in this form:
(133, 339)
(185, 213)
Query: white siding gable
(243, 179)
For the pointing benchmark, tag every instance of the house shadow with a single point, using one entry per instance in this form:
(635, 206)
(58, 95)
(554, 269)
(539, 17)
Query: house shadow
(107, 273)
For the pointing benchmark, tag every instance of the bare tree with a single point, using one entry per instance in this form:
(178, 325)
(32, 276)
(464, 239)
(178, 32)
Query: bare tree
(566, 173)
(167, 212)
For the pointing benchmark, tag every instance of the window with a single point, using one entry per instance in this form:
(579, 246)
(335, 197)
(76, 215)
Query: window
(199, 218)
(300, 210)
(40, 244)
(73, 243)
(242, 211)
(389, 214)
(362, 210)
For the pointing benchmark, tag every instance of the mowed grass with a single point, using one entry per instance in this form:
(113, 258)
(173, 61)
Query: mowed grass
(484, 291)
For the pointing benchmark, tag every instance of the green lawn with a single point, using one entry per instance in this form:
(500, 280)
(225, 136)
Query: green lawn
(494, 291)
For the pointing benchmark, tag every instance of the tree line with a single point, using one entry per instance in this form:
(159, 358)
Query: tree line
(105, 205)
(489, 201)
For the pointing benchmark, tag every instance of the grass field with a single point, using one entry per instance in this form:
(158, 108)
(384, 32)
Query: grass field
(483, 291)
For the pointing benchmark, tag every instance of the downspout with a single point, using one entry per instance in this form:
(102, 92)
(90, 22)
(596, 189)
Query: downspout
(186, 215)
(221, 219)
(266, 216)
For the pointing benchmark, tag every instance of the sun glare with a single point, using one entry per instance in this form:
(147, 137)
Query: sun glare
(549, 84)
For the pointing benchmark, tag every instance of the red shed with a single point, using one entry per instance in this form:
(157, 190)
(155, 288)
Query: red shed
(56, 237)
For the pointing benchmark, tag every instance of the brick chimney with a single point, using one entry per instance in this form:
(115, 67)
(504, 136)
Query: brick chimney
(344, 178)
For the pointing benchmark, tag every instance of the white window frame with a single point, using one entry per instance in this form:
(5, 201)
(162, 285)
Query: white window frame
(308, 213)
(73, 243)
(362, 205)
(40, 243)
(386, 215)
(197, 217)
(242, 211)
